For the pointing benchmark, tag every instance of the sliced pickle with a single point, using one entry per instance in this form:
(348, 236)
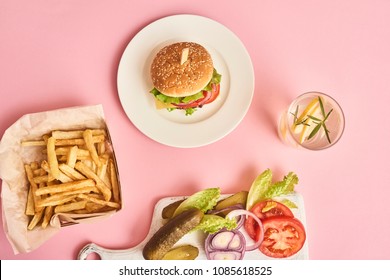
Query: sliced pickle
(237, 198)
(185, 252)
(168, 210)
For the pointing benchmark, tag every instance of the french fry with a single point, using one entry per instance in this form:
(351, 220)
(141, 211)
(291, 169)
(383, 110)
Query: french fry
(35, 220)
(90, 164)
(71, 172)
(96, 195)
(64, 150)
(45, 166)
(58, 134)
(79, 141)
(39, 172)
(114, 181)
(47, 216)
(92, 207)
(70, 206)
(100, 201)
(64, 178)
(107, 178)
(102, 169)
(87, 135)
(41, 179)
(71, 157)
(65, 187)
(57, 199)
(61, 176)
(70, 142)
(101, 148)
(52, 157)
(34, 187)
(30, 210)
(61, 151)
(99, 183)
(61, 198)
(64, 159)
(32, 143)
(34, 166)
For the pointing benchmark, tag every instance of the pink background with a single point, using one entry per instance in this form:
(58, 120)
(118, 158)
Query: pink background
(57, 54)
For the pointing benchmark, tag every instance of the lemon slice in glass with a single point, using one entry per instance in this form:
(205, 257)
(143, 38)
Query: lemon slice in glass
(307, 129)
(303, 130)
(312, 106)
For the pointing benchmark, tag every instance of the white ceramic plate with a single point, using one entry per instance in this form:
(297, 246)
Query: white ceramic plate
(208, 124)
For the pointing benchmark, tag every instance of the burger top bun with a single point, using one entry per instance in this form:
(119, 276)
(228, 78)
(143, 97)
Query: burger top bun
(176, 74)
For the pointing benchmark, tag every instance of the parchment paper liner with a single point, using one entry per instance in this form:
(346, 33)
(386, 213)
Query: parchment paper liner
(14, 186)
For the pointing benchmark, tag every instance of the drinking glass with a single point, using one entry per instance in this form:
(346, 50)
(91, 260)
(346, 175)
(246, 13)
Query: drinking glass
(314, 121)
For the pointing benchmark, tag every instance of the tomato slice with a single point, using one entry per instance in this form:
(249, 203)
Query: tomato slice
(265, 209)
(270, 208)
(283, 236)
(214, 93)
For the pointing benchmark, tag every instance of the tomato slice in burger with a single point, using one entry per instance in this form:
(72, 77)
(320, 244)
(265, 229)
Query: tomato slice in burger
(214, 93)
(265, 209)
(283, 237)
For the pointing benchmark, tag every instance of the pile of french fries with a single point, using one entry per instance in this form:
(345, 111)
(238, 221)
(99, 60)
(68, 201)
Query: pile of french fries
(78, 176)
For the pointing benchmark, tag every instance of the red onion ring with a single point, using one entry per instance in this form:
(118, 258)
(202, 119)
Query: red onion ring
(215, 251)
(215, 255)
(242, 212)
(207, 96)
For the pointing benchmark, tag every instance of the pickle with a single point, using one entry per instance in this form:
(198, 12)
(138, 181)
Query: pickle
(167, 236)
(185, 252)
(237, 198)
(168, 210)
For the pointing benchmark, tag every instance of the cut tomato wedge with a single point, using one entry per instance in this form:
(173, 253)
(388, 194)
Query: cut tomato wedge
(265, 209)
(283, 236)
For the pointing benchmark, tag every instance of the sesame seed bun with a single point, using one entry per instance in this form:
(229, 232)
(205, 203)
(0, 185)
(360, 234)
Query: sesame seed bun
(174, 79)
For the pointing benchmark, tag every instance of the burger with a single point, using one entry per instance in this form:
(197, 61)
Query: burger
(184, 77)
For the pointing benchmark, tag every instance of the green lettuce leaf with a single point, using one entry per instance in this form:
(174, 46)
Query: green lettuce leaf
(164, 98)
(203, 200)
(213, 223)
(193, 97)
(283, 187)
(289, 203)
(263, 188)
(190, 111)
(258, 188)
(215, 79)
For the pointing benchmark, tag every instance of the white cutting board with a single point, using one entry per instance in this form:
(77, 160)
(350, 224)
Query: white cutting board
(195, 238)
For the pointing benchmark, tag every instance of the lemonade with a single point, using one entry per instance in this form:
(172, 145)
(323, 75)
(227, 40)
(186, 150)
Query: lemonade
(314, 121)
